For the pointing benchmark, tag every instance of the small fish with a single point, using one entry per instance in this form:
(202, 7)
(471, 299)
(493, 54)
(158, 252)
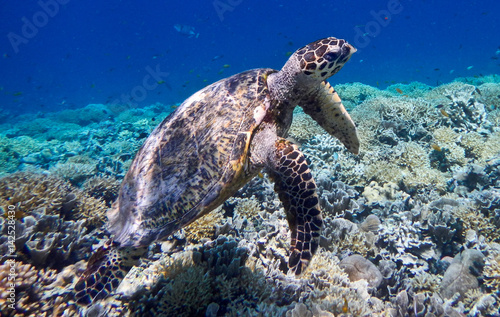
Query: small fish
(399, 91)
(287, 54)
(345, 308)
(159, 82)
(19, 93)
(444, 113)
(436, 69)
(470, 67)
(216, 57)
(226, 66)
(186, 30)
(436, 147)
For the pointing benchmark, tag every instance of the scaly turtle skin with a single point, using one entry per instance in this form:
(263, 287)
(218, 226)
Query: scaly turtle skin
(213, 144)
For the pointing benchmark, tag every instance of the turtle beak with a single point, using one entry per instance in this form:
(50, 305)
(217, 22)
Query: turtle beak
(351, 48)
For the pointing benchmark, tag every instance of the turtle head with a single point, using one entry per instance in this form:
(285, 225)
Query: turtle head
(309, 66)
(323, 58)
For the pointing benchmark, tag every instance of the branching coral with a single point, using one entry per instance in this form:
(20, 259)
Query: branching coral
(304, 127)
(204, 227)
(473, 219)
(76, 173)
(29, 191)
(102, 187)
(426, 282)
(492, 272)
(29, 285)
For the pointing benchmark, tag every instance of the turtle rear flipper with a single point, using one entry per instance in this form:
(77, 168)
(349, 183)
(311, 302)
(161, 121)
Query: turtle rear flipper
(297, 191)
(326, 108)
(106, 268)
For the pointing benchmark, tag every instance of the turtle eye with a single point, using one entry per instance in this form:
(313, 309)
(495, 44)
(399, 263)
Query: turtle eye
(331, 56)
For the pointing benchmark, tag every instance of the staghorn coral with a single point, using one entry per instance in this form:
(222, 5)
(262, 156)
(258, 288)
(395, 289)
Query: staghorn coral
(413, 89)
(332, 291)
(401, 242)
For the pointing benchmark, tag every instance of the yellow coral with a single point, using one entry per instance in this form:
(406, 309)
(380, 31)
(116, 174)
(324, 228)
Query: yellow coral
(426, 282)
(481, 147)
(29, 191)
(29, 288)
(446, 138)
(93, 210)
(246, 207)
(205, 226)
(492, 271)
(473, 219)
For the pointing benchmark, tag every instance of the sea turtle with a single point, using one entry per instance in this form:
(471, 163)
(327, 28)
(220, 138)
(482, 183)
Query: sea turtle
(213, 144)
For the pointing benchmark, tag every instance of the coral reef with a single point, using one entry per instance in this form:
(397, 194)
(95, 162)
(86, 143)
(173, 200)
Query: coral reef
(411, 224)
(29, 191)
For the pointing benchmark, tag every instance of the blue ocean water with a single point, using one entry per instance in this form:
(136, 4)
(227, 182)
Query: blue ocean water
(65, 54)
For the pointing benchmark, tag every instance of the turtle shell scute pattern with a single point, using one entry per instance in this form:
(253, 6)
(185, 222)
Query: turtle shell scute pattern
(193, 160)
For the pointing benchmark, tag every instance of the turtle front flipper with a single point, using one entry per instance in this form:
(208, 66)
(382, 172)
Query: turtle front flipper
(297, 191)
(326, 108)
(106, 268)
